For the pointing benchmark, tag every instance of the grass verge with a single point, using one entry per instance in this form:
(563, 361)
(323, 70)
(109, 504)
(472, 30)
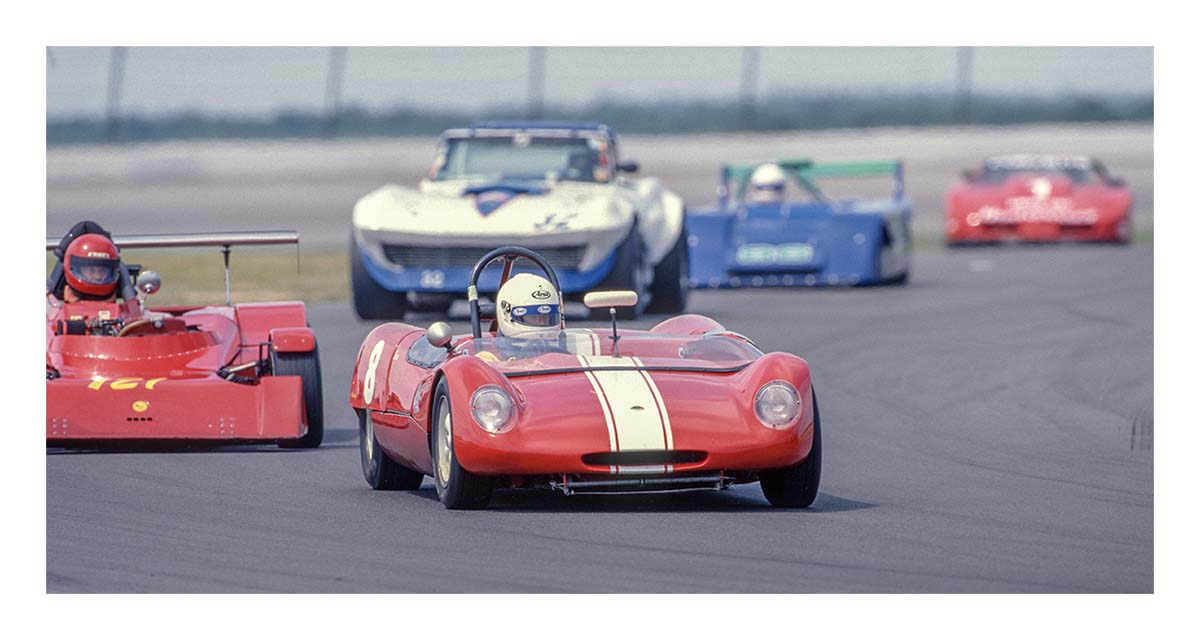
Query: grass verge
(196, 276)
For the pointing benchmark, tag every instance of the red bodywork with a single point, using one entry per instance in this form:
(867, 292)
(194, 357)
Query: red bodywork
(707, 417)
(160, 381)
(1038, 206)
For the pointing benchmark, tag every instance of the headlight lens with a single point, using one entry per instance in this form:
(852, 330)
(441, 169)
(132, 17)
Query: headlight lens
(777, 404)
(492, 408)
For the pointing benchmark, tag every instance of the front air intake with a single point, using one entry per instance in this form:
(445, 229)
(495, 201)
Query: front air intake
(633, 458)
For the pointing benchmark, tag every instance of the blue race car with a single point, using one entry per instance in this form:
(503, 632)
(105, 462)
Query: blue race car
(810, 240)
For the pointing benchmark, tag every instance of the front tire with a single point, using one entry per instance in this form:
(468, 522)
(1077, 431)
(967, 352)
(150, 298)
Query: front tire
(371, 301)
(380, 471)
(796, 486)
(308, 367)
(669, 291)
(628, 274)
(457, 488)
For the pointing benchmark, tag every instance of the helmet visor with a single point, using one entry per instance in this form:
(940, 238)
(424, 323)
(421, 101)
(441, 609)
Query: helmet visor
(536, 315)
(99, 271)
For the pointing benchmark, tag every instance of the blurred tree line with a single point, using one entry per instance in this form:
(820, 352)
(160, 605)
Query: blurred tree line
(776, 113)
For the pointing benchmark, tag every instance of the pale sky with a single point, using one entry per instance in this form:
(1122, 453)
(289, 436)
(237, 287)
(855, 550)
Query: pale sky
(260, 81)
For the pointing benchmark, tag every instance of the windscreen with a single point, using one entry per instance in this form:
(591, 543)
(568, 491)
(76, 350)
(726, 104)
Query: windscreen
(584, 349)
(523, 157)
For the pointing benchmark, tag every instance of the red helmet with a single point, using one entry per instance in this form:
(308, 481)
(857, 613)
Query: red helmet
(92, 264)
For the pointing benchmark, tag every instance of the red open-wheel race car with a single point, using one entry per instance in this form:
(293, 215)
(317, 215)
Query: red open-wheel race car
(685, 405)
(118, 370)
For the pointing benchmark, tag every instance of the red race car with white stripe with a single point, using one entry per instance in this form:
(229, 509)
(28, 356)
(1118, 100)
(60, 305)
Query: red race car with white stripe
(685, 405)
(1039, 198)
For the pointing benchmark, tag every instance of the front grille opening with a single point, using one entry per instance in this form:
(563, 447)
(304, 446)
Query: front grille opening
(609, 458)
(439, 257)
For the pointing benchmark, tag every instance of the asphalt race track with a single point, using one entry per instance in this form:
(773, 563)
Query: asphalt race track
(987, 428)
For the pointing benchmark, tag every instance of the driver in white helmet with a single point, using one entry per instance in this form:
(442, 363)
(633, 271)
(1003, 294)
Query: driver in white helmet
(529, 317)
(767, 184)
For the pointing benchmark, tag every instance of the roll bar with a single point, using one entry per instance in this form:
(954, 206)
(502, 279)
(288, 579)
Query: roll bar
(509, 254)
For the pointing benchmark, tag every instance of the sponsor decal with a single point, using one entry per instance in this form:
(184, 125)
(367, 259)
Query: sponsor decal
(123, 384)
(1033, 209)
(139, 406)
(541, 294)
(520, 311)
(544, 309)
(104, 314)
(555, 222)
(767, 254)
(99, 254)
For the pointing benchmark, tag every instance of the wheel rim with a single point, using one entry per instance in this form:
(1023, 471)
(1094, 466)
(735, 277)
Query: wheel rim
(369, 437)
(444, 443)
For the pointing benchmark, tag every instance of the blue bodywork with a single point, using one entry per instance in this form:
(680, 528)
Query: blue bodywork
(817, 241)
(455, 279)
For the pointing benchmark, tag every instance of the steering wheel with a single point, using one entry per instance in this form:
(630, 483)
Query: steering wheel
(509, 255)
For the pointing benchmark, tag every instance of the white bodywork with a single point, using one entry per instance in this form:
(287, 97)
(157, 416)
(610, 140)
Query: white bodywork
(597, 215)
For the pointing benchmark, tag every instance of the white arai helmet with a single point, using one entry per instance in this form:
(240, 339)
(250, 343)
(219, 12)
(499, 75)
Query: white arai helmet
(528, 307)
(767, 183)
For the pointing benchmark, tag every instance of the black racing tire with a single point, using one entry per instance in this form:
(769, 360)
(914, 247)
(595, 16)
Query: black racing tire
(457, 488)
(308, 367)
(669, 291)
(626, 275)
(380, 471)
(371, 301)
(796, 486)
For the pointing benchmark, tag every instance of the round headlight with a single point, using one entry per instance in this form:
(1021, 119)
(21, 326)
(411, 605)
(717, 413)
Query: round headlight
(777, 404)
(492, 408)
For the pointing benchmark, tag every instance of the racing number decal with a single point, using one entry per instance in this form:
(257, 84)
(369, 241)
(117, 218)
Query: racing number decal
(372, 365)
(122, 384)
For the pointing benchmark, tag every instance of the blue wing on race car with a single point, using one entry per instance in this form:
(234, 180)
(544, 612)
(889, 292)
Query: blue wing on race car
(801, 242)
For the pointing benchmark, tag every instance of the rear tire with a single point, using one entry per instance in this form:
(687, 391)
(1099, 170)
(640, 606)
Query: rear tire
(627, 274)
(457, 488)
(308, 367)
(380, 471)
(796, 486)
(669, 291)
(371, 301)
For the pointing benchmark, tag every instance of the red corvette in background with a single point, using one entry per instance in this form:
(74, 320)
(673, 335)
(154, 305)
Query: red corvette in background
(122, 371)
(685, 405)
(1039, 198)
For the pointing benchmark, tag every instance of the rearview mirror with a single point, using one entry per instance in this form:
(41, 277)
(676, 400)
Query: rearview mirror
(148, 282)
(439, 334)
(970, 175)
(606, 299)
(629, 166)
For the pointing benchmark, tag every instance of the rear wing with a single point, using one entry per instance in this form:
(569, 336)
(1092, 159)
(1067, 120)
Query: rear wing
(736, 178)
(225, 240)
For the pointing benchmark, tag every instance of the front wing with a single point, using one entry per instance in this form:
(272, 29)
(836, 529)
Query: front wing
(174, 409)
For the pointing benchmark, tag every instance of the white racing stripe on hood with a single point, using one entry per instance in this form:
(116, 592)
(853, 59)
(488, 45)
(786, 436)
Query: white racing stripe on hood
(630, 400)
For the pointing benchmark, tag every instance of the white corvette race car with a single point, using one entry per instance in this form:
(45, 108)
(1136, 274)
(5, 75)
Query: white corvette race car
(558, 188)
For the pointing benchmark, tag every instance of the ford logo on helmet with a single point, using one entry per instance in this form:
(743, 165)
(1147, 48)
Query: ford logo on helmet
(541, 294)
